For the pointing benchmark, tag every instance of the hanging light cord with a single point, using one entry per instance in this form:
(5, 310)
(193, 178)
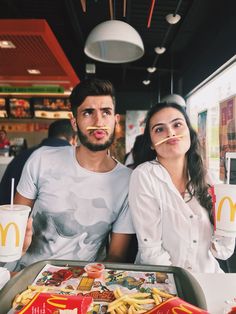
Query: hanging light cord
(164, 40)
(177, 7)
(151, 13)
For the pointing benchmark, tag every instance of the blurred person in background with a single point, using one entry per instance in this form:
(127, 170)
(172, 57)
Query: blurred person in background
(4, 141)
(79, 195)
(60, 133)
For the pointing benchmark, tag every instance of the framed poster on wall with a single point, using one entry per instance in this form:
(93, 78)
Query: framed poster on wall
(117, 148)
(202, 134)
(135, 123)
(227, 131)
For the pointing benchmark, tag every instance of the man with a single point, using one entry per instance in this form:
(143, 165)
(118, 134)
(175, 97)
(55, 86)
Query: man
(79, 195)
(60, 133)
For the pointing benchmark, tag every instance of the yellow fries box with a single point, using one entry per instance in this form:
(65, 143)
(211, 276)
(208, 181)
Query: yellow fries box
(122, 288)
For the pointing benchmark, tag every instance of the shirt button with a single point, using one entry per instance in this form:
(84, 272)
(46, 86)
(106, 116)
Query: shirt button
(191, 216)
(194, 241)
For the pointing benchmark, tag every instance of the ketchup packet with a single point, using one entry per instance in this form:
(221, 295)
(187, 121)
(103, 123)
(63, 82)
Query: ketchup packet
(52, 303)
(176, 306)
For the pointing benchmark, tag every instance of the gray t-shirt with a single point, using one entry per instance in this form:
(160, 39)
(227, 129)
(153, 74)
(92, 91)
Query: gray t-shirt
(75, 208)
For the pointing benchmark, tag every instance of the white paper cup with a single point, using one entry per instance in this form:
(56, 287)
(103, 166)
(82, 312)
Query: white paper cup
(13, 223)
(225, 209)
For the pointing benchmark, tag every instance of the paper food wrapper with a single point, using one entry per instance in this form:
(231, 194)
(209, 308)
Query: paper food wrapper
(48, 303)
(176, 306)
(225, 209)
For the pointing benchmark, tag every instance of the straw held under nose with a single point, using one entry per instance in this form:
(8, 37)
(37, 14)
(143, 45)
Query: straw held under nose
(167, 139)
(93, 128)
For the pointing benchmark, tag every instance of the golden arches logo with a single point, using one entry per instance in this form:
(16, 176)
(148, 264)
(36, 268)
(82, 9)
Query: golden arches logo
(55, 298)
(232, 207)
(4, 232)
(185, 308)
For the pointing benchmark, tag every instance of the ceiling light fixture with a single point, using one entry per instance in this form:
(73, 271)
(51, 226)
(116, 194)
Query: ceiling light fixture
(33, 71)
(90, 68)
(174, 98)
(160, 50)
(146, 82)
(151, 69)
(7, 44)
(173, 18)
(114, 42)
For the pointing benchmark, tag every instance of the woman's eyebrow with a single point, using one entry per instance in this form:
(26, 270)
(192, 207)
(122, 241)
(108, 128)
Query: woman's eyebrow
(161, 123)
(157, 124)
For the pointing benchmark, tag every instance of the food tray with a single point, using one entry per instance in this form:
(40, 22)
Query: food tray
(186, 285)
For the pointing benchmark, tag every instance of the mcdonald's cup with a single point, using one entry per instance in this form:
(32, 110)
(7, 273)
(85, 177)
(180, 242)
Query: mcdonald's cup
(225, 209)
(13, 223)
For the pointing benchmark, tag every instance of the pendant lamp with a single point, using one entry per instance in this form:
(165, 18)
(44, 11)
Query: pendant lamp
(114, 41)
(173, 98)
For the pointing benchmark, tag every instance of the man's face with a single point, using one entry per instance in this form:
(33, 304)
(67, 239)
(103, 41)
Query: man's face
(96, 122)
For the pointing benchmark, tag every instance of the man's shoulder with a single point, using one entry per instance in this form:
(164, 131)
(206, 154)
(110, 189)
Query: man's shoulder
(48, 152)
(124, 169)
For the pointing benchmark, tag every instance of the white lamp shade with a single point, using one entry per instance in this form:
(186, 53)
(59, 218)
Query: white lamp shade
(160, 50)
(114, 42)
(174, 98)
(173, 19)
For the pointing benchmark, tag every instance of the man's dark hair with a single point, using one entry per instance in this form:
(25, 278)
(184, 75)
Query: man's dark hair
(90, 87)
(61, 128)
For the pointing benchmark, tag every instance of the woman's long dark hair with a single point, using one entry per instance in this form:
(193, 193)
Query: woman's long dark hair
(197, 185)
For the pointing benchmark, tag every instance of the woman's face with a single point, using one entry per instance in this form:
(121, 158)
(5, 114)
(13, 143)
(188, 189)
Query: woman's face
(169, 134)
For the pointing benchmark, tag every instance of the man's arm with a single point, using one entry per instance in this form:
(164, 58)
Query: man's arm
(19, 199)
(119, 247)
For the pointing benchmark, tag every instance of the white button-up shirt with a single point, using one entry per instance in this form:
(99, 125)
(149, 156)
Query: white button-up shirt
(171, 231)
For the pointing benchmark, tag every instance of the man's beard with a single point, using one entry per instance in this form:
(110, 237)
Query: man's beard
(94, 147)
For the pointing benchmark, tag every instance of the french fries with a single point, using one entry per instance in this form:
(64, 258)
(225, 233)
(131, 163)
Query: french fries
(136, 303)
(97, 128)
(27, 295)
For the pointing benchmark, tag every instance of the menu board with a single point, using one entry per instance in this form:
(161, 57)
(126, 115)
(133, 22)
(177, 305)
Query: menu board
(52, 108)
(20, 108)
(3, 109)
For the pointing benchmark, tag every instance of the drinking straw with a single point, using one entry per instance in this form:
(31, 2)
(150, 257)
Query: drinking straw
(168, 138)
(12, 191)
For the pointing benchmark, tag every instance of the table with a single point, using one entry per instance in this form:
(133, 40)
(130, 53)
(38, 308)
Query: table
(217, 289)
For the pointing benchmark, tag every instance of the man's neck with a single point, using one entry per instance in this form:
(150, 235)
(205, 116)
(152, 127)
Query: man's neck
(94, 161)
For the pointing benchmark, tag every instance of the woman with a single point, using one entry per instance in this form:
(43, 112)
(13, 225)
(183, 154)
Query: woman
(169, 199)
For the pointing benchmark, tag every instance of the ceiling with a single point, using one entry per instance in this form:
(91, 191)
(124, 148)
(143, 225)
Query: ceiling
(61, 59)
